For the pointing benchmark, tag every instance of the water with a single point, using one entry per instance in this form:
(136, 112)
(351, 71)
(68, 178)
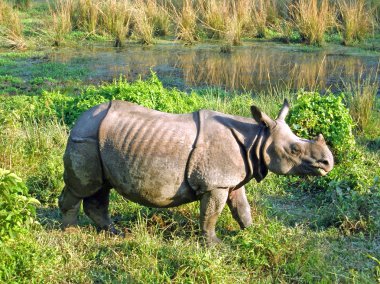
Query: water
(251, 68)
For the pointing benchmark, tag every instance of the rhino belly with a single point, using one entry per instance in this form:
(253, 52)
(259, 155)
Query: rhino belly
(144, 156)
(151, 181)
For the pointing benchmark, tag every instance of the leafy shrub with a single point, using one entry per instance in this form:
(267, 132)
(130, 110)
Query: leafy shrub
(17, 208)
(313, 114)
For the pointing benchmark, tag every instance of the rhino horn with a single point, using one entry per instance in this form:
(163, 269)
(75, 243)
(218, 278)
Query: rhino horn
(261, 117)
(284, 110)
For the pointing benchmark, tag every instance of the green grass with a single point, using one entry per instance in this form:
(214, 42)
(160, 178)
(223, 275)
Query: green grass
(305, 230)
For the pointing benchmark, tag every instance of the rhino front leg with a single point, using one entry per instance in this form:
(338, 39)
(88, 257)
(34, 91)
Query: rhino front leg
(96, 207)
(239, 206)
(212, 204)
(69, 205)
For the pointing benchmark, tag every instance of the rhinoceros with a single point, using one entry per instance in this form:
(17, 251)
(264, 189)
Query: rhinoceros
(162, 160)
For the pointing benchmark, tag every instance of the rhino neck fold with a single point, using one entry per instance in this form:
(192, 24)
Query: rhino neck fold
(256, 154)
(253, 149)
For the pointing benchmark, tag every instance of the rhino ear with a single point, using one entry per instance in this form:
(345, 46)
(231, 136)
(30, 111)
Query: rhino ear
(284, 110)
(320, 139)
(261, 117)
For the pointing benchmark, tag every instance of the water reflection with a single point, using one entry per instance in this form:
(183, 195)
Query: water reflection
(250, 68)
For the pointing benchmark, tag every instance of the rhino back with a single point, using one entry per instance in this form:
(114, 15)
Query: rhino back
(145, 153)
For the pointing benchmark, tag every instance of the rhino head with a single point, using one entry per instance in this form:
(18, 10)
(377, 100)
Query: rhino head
(287, 154)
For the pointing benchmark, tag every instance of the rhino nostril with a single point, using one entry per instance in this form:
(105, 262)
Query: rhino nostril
(325, 162)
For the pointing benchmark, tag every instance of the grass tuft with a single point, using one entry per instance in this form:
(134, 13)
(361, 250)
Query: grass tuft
(116, 15)
(143, 24)
(11, 29)
(361, 96)
(186, 20)
(313, 18)
(357, 20)
(61, 12)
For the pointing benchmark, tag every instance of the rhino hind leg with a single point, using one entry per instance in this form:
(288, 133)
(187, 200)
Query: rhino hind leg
(69, 205)
(212, 204)
(96, 207)
(239, 206)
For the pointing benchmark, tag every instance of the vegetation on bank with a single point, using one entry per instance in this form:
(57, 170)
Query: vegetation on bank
(25, 23)
(314, 229)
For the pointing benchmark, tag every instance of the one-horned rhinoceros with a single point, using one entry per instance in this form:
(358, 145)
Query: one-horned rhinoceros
(163, 160)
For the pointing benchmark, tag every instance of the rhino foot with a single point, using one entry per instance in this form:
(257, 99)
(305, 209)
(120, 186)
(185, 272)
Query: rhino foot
(211, 241)
(69, 206)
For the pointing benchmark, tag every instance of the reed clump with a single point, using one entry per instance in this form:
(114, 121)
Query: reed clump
(11, 29)
(357, 20)
(143, 25)
(263, 14)
(115, 18)
(88, 15)
(312, 19)
(61, 12)
(186, 21)
(361, 96)
(159, 17)
(214, 15)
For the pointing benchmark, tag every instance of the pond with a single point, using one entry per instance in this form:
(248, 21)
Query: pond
(253, 67)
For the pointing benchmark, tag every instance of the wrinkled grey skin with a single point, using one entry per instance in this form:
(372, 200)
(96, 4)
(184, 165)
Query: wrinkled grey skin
(164, 160)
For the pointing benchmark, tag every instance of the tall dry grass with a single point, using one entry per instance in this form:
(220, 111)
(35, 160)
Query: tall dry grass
(225, 19)
(357, 20)
(214, 15)
(186, 22)
(263, 13)
(312, 19)
(143, 25)
(61, 11)
(115, 18)
(361, 97)
(158, 13)
(11, 29)
(87, 15)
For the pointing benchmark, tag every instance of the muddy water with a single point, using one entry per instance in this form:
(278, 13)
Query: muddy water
(252, 67)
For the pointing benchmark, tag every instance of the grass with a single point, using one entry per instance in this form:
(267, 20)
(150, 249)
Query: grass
(313, 19)
(361, 95)
(61, 12)
(304, 231)
(186, 21)
(143, 22)
(232, 22)
(88, 15)
(357, 20)
(116, 17)
(11, 29)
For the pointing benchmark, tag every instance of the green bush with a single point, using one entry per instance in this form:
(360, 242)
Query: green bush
(313, 113)
(17, 209)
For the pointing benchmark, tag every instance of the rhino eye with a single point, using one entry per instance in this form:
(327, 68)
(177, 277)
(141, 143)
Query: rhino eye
(295, 149)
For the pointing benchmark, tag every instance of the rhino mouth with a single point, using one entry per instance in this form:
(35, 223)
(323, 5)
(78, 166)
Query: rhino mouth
(322, 172)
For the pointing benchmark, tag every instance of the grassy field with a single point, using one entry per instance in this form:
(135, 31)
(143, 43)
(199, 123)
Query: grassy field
(26, 24)
(305, 230)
